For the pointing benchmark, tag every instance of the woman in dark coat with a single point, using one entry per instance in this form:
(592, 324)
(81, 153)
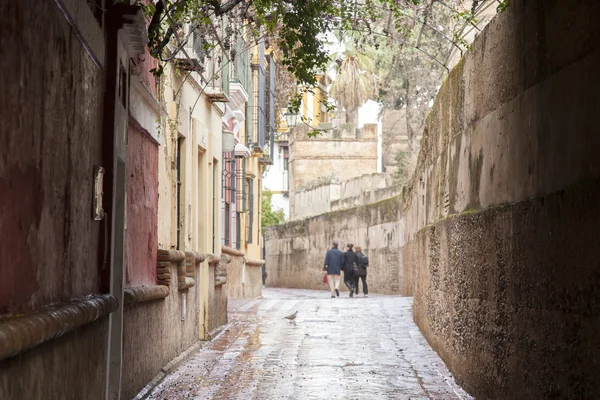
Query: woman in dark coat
(363, 263)
(350, 259)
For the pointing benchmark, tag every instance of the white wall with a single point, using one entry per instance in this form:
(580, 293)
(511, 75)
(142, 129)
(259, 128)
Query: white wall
(276, 180)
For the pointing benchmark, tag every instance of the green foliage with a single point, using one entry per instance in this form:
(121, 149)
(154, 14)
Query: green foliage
(297, 30)
(403, 168)
(503, 5)
(355, 82)
(299, 27)
(268, 215)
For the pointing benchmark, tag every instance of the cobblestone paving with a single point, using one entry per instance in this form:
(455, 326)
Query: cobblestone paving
(343, 348)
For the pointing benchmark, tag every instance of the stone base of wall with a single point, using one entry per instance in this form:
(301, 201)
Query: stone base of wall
(73, 367)
(154, 333)
(217, 302)
(509, 296)
(244, 277)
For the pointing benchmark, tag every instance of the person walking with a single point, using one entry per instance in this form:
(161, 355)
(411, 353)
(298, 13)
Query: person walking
(363, 263)
(350, 268)
(334, 259)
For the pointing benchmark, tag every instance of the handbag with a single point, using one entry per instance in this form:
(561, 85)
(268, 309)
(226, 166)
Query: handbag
(355, 268)
(325, 278)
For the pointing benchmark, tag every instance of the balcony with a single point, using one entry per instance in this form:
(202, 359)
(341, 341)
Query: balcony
(216, 94)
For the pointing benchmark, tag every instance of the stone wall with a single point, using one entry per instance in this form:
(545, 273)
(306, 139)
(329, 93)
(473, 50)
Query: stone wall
(216, 315)
(295, 251)
(344, 152)
(315, 201)
(361, 190)
(394, 137)
(498, 228)
(157, 331)
(244, 276)
(499, 216)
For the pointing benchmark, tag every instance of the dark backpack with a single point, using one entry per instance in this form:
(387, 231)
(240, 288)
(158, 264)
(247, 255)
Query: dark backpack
(363, 261)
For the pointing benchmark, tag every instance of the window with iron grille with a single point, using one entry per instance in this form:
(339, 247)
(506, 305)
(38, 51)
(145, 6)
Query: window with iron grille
(250, 225)
(238, 228)
(227, 223)
(241, 192)
(229, 195)
(285, 158)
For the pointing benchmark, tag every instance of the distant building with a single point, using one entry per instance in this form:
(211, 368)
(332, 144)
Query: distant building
(276, 178)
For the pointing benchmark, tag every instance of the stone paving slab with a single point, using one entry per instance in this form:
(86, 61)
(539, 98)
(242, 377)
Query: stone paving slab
(343, 348)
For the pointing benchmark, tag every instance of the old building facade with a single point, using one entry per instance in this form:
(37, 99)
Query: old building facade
(113, 180)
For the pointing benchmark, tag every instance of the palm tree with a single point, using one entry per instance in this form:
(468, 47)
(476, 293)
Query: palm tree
(354, 83)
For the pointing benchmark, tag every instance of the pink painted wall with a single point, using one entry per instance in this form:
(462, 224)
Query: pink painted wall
(142, 208)
(50, 140)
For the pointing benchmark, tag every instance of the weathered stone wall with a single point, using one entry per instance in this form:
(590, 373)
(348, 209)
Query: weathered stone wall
(50, 140)
(394, 136)
(501, 219)
(244, 276)
(295, 251)
(315, 201)
(345, 153)
(216, 315)
(498, 229)
(155, 332)
(361, 190)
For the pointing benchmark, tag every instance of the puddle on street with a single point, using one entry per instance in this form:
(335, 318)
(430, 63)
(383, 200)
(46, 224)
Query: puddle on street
(328, 351)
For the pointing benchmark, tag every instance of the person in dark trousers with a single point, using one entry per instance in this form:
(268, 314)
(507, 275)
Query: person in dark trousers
(333, 265)
(363, 263)
(350, 262)
(264, 274)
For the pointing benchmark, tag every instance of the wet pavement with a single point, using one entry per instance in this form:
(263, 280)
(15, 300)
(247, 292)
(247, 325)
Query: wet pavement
(343, 348)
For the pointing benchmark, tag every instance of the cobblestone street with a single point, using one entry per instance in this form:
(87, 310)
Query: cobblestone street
(344, 348)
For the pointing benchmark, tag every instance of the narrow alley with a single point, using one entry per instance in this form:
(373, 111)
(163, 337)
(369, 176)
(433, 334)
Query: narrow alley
(346, 348)
(179, 176)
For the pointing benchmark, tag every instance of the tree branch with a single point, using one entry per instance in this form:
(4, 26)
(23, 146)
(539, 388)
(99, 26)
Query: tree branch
(224, 9)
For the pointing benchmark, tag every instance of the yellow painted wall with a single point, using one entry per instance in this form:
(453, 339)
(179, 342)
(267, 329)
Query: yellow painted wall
(201, 153)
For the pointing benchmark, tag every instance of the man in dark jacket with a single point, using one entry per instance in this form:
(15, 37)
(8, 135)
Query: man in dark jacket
(350, 261)
(333, 265)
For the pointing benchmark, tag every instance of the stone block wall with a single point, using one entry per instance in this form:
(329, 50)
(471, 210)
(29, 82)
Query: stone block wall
(295, 251)
(500, 214)
(361, 190)
(156, 330)
(217, 295)
(497, 231)
(244, 276)
(345, 153)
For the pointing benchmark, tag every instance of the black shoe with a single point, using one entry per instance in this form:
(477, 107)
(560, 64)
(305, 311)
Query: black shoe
(352, 294)
(337, 292)
(332, 296)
